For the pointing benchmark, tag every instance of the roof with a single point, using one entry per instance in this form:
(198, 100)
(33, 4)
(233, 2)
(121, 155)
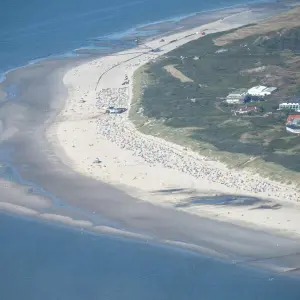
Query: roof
(291, 103)
(292, 117)
(257, 89)
(237, 93)
(248, 108)
(261, 89)
(270, 89)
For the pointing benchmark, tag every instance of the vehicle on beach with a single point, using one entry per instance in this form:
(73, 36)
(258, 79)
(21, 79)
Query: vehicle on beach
(145, 152)
(115, 110)
(156, 50)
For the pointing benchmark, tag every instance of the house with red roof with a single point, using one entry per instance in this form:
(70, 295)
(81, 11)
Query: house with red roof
(293, 124)
(245, 110)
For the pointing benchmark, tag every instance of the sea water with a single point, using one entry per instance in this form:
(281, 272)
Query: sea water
(32, 29)
(45, 261)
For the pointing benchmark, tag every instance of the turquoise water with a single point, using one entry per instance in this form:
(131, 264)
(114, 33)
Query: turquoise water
(42, 261)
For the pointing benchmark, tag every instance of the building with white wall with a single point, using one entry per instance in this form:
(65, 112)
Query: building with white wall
(290, 106)
(237, 96)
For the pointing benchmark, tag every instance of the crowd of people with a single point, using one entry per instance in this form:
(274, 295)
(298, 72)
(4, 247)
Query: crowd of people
(119, 130)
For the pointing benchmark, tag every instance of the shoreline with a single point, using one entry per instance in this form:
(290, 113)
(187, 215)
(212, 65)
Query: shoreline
(45, 168)
(271, 265)
(210, 13)
(104, 136)
(261, 266)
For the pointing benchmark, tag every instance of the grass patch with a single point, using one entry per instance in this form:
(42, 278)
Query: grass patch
(193, 114)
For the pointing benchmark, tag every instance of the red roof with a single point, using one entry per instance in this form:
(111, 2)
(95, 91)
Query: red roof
(248, 108)
(292, 117)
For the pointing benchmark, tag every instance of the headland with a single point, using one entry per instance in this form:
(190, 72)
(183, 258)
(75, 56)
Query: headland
(106, 149)
(106, 145)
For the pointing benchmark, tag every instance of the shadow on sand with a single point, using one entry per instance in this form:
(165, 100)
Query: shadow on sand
(220, 200)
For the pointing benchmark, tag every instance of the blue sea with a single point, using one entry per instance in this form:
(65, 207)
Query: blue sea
(50, 262)
(43, 261)
(35, 29)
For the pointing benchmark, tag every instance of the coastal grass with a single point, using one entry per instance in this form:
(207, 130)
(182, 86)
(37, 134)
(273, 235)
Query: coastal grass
(193, 114)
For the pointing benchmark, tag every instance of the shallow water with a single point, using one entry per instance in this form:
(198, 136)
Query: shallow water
(31, 30)
(39, 261)
(43, 261)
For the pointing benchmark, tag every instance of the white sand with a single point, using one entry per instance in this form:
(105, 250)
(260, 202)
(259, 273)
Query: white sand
(143, 165)
(69, 221)
(66, 220)
(17, 209)
(115, 231)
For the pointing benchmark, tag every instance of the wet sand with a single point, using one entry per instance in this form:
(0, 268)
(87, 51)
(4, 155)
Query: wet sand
(67, 196)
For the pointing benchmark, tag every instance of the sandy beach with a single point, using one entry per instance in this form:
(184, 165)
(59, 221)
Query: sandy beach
(107, 147)
(36, 184)
(97, 209)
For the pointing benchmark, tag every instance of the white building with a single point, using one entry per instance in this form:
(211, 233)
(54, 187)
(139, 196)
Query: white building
(261, 91)
(290, 106)
(236, 97)
(271, 89)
